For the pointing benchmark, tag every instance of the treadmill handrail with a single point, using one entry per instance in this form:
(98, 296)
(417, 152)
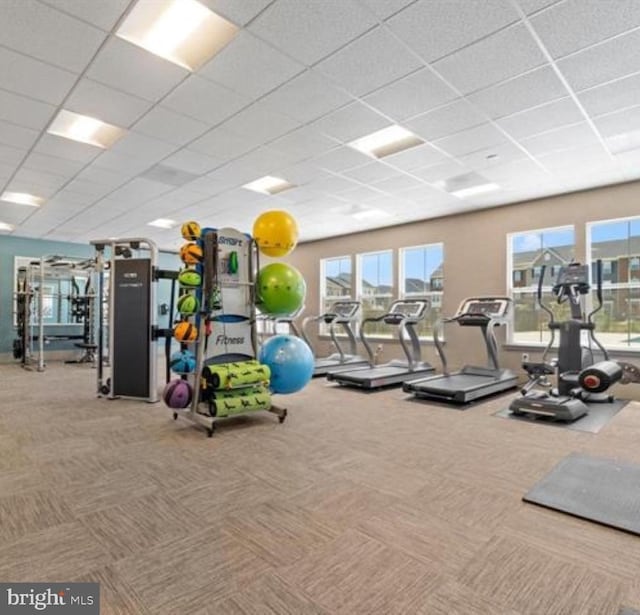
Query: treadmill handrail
(345, 322)
(406, 323)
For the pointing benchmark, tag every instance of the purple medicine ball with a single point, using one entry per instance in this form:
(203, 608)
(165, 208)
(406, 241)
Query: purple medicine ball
(177, 394)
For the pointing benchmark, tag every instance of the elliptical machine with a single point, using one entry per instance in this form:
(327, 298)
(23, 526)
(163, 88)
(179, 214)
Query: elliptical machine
(567, 401)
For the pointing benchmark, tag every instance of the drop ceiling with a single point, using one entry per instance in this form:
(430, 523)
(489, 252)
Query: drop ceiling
(535, 97)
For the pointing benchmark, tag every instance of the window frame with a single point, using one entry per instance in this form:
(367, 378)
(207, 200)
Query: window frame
(323, 298)
(526, 290)
(402, 294)
(630, 285)
(358, 282)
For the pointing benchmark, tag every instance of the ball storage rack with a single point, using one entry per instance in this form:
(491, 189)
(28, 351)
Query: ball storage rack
(226, 321)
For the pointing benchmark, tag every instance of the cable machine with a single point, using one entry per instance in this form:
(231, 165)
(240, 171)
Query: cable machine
(128, 274)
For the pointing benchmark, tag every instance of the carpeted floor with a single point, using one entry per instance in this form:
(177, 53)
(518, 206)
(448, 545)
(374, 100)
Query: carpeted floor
(358, 504)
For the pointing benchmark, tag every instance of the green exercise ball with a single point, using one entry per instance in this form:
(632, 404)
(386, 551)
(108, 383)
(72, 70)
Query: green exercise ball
(281, 289)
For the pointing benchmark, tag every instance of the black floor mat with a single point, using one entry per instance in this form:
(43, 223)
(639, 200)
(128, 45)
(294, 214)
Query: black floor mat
(599, 415)
(601, 490)
(628, 611)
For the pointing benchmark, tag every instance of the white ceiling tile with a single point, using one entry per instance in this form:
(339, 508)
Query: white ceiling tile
(385, 8)
(52, 164)
(302, 143)
(438, 172)
(446, 120)
(310, 31)
(138, 191)
(300, 194)
(262, 67)
(14, 214)
(6, 171)
(33, 78)
(240, 13)
(428, 195)
(592, 158)
(619, 122)
(24, 111)
(44, 33)
(415, 94)
(489, 157)
(11, 155)
(211, 184)
(133, 70)
(416, 157)
(399, 183)
(204, 100)
(341, 159)
(223, 144)
(331, 184)
(563, 138)
(106, 104)
(472, 140)
(104, 15)
(89, 190)
(351, 122)
(261, 123)
(192, 162)
(436, 28)
(170, 126)
(540, 119)
(515, 173)
(606, 61)
(576, 24)
(119, 163)
(360, 194)
(306, 97)
(101, 176)
(535, 88)
(17, 136)
(533, 6)
(66, 148)
(373, 60)
(475, 67)
(142, 147)
(36, 182)
(301, 173)
(612, 96)
(263, 161)
(371, 172)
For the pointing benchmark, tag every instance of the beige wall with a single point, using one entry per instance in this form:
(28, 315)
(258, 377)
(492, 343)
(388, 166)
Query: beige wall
(475, 262)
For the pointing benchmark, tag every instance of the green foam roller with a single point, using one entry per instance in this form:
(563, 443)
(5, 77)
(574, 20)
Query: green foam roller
(234, 375)
(233, 393)
(240, 404)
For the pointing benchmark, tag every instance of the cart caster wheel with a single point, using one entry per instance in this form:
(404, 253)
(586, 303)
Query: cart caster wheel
(211, 431)
(282, 418)
(175, 416)
(104, 389)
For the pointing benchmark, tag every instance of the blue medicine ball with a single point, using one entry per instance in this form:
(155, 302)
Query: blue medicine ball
(182, 362)
(291, 363)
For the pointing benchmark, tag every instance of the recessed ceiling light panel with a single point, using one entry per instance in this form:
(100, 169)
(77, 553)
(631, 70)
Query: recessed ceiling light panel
(163, 223)
(4, 227)
(22, 198)
(467, 184)
(184, 32)
(387, 141)
(84, 129)
(269, 185)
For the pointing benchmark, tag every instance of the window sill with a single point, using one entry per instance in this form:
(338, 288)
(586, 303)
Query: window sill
(381, 339)
(524, 346)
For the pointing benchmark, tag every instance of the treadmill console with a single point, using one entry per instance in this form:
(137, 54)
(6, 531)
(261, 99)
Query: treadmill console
(409, 311)
(342, 311)
(477, 311)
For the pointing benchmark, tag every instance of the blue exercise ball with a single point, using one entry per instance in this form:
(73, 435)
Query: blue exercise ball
(291, 363)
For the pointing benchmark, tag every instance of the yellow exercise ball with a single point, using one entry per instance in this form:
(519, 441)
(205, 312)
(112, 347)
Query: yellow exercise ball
(275, 232)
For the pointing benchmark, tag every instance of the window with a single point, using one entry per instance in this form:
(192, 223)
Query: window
(421, 275)
(375, 287)
(336, 284)
(617, 244)
(528, 253)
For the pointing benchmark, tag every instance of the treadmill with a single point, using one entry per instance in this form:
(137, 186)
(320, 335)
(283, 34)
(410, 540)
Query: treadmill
(344, 314)
(404, 314)
(471, 382)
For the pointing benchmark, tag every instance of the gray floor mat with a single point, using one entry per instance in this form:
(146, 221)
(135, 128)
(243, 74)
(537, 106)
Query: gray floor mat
(601, 490)
(599, 415)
